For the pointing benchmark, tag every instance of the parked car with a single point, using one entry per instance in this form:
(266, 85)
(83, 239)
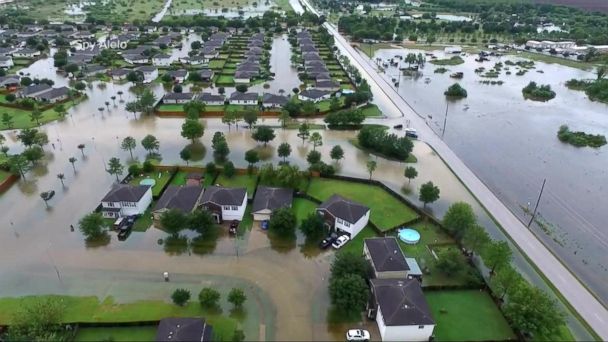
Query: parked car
(357, 335)
(234, 225)
(340, 241)
(119, 223)
(124, 232)
(399, 126)
(328, 241)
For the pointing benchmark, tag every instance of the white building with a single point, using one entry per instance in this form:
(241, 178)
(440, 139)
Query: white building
(225, 204)
(400, 310)
(247, 99)
(314, 95)
(6, 62)
(343, 215)
(150, 73)
(126, 200)
(161, 60)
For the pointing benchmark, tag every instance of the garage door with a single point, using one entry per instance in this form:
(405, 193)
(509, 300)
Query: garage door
(261, 217)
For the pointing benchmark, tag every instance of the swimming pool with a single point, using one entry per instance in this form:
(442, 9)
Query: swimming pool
(147, 181)
(409, 236)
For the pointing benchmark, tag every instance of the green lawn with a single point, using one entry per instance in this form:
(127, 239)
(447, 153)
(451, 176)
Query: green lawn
(225, 80)
(4, 175)
(247, 222)
(171, 108)
(370, 49)
(468, 315)
(145, 221)
(217, 63)
(180, 178)
(161, 179)
(90, 309)
(126, 334)
(371, 110)
(302, 208)
(356, 244)
(239, 181)
(386, 211)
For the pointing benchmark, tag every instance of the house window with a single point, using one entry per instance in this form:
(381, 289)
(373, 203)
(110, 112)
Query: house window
(234, 207)
(339, 221)
(346, 224)
(421, 327)
(226, 207)
(110, 205)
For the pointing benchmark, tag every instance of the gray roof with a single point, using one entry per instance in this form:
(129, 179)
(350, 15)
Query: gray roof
(208, 97)
(146, 68)
(126, 193)
(224, 196)
(386, 255)
(401, 302)
(206, 73)
(184, 198)
(343, 208)
(314, 93)
(119, 72)
(35, 88)
(245, 74)
(271, 198)
(178, 73)
(237, 95)
(327, 84)
(414, 267)
(178, 96)
(274, 99)
(54, 93)
(183, 329)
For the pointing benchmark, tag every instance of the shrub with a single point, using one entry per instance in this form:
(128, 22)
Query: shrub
(455, 90)
(378, 140)
(209, 297)
(180, 297)
(237, 297)
(147, 166)
(538, 93)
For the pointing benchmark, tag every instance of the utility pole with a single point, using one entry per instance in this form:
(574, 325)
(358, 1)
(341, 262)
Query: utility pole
(537, 202)
(445, 119)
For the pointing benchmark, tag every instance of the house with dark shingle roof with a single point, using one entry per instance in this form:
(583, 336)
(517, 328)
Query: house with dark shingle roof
(183, 198)
(212, 99)
(184, 329)
(54, 95)
(314, 95)
(177, 98)
(225, 204)
(400, 310)
(343, 215)
(386, 257)
(125, 200)
(244, 98)
(33, 90)
(267, 200)
(273, 101)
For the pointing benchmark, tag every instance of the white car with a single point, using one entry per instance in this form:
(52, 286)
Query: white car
(357, 335)
(340, 241)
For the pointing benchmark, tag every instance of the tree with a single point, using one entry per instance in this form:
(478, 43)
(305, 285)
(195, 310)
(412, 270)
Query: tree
(496, 255)
(178, 88)
(309, 108)
(230, 118)
(33, 154)
(92, 226)
(61, 177)
(284, 118)
(200, 220)
(371, 167)
(263, 134)
(81, 148)
(349, 293)
(132, 107)
(449, 261)
(4, 150)
(192, 129)
(250, 117)
(135, 77)
(237, 297)
(194, 109)
(229, 169)
(316, 140)
(505, 281)
(459, 218)
(410, 173)
(283, 222)
(242, 88)
(334, 104)
(252, 157)
(211, 168)
(209, 297)
(134, 169)
(41, 139)
(349, 263)
(180, 297)
(284, 150)
(150, 143)
(313, 158)
(2, 140)
(531, 310)
(19, 164)
(304, 132)
(60, 109)
(238, 336)
(173, 221)
(146, 101)
(185, 154)
(72, 161)
(601, 71)
(475, 238)
(7, 121)
(336, 153)
(429, 193)
(27, 136)
(115, 167)
(312, 226)
(128, 144)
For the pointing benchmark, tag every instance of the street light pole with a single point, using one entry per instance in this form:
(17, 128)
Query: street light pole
(537, 202)
(445, 119)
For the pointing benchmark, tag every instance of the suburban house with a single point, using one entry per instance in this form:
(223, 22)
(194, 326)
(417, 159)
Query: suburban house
(6, 62)
(343, 215)
(211, 99)
(126, 200)
(327, 85)
(26, 53)
(209, 52)
(119, 74)
(94, 69)
(244, 76)
(161, 60)
(10, 82)
(150, 73)
(244, 98)
(178, 76)
(206, 75)
(273, 101)
(54, 95)
(184, 329)
(225, 204)
(183, 198)
(267, 200)
(33, 90)
(194, 60)
(386, 257)
(400, 310)
(135, 58)
(177, 98)
(314, 95)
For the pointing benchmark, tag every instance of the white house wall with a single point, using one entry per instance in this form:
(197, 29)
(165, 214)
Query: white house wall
(403, 332)
(355, 228)
(229, 215)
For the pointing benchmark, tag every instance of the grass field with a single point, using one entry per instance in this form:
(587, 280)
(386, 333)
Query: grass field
(302, 208)
(386, 211)
(225, 80)
(125, 334)
(161, 179)
(370, 49)
(90, 309)
(240, 181)
(467, 316)
(4, 175)
(216, 63)
(356, 244)
(371, 110)
(180, 179)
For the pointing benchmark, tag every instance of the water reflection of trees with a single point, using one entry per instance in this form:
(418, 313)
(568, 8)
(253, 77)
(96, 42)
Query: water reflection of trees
(100, 241)
(176, 245)
(282, 244)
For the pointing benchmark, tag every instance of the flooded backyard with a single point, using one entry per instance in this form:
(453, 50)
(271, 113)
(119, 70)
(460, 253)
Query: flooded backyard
(511, 144)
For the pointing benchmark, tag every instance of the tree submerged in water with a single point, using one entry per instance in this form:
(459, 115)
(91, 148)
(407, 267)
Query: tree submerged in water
(538, 93)
(456, 91)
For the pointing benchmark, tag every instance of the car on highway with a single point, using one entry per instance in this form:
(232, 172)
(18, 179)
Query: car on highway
(328, 241)
(357, 335)
(340, 241)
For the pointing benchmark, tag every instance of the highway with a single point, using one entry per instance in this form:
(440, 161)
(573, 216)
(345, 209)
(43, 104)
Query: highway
(581, 299)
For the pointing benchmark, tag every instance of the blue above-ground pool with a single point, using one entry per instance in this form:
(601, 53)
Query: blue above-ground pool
(409, 236)
(147, 181)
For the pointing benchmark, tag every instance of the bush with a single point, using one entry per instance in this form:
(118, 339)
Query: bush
(209, 297)
(312, 226)
(283, 222)
(180, 297)
(211, 168)
(229, 170)
(345, 118)
(10, 97)
(348, 293)
(147, 166)
(134, 170)
(538, 93)
(390, 145)
(237, 297)
(455, 90)
(580, 139)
